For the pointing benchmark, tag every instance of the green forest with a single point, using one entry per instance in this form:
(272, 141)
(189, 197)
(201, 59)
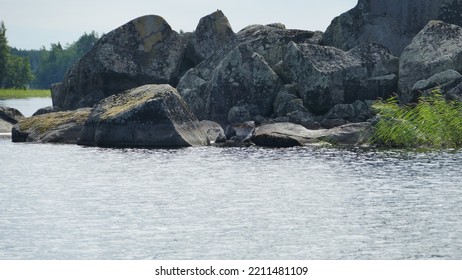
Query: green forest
(38, 69)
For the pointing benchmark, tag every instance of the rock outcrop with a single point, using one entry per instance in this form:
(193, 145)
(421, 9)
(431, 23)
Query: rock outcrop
(212, 33)
(327, 76)
(148, 116)
(243, 73)
(8, 118)
(437, 48)
(264, 74)
(391, 23)
(60, 127)
(243, 78)
(144, 51)
(233, 78)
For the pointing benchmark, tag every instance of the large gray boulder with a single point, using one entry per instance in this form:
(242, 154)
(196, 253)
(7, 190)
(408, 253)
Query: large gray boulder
(243, 78)
(383, 86)
(358, 111)
(144, 51)
(257, 49)
(148, 116)
(8, 118)
(451, 12)
(442, 82)
(288, 101)
(352, 134)
(290, 135)
(377, 60)
(212, 33)
(271, 41)
(11, 115)
(437, 48)
(59, 127)
(327, 76)
(284, 135)
(214, 131)
(392, 23)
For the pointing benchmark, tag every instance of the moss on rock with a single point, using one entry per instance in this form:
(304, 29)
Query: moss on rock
(62, 127)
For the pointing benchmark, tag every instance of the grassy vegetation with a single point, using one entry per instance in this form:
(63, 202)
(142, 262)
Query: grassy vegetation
(20, 93)
(432, 123)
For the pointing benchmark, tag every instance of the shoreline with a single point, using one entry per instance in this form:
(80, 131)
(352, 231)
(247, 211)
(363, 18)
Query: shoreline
(6, 94)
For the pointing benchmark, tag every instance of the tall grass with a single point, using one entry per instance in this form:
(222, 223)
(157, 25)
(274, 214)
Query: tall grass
(20, 93)
(432, 123)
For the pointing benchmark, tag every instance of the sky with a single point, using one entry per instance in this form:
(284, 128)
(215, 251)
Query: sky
(32, 24)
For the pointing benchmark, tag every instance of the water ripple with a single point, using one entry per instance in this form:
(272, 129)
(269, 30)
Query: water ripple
(71, 202)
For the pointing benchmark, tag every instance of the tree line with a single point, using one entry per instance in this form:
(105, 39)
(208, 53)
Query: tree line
(39, 69)
(15, 71)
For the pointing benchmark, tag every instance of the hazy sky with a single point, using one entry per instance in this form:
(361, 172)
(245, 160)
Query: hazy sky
(32, 24)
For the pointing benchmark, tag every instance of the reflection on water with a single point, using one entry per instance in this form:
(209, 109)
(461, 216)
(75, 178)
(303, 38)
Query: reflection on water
(71, 202)
(27, 106)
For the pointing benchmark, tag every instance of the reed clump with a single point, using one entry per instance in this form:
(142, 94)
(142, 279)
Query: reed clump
(433, 123)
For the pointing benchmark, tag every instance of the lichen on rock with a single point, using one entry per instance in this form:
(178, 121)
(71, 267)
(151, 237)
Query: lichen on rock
(143, 51)
(153, 116)
(58, 127)
(391, 23)
(437, 48)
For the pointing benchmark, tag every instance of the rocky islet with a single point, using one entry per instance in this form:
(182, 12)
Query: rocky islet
(264, 74)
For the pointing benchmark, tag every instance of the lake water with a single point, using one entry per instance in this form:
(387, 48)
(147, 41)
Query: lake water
(72, 202)
(27, 106)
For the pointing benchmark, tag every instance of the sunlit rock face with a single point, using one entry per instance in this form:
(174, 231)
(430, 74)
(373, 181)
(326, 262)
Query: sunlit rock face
(153, 116)
(436, 49)
(144, 51)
